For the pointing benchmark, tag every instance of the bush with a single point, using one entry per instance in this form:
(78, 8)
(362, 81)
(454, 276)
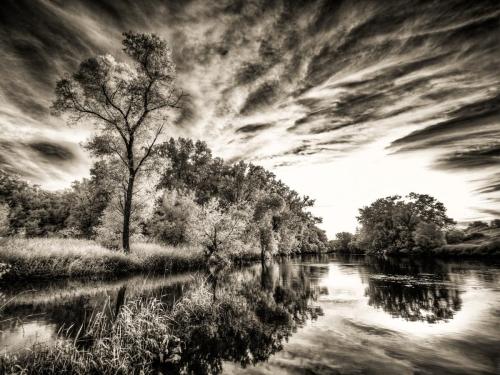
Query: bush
(474, 236)
(477, 225)
(172, 217)
(109, 232)
(428, 236)
(454, 236)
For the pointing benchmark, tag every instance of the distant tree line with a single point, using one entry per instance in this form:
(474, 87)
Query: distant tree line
(415, 223)
(397, 224)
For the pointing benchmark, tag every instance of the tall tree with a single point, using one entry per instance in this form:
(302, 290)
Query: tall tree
(127, 103)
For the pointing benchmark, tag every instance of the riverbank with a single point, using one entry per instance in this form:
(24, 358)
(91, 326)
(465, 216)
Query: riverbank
(134, 340)
(55, 257)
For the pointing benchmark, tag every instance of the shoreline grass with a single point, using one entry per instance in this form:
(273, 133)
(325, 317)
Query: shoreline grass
(133, 340)
(38, 258)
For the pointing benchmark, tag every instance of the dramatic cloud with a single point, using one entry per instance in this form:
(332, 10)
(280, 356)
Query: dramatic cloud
(279, 83)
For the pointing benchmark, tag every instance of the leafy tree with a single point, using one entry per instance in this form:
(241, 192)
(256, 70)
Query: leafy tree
(125, 102)
(429, 209)
(89, 198)
(190, 165)
(428, 236)
(33, 211)
(343, 241)
(218, 229)
(172, 217)
(390, 223)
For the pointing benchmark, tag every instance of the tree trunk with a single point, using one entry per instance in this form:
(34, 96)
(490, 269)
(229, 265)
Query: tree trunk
(127, 211)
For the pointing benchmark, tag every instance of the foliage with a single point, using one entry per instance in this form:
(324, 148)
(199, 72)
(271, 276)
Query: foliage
(477, 225)
(218, 230)
(172, 216)
(110, 231)
(283, 223)
(33, 211)
(428, 236)
(390, 224)
(89, 198)
(125, 101)
(342, 242)
(454, 236)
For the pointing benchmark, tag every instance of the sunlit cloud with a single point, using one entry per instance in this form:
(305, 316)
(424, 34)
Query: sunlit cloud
(346, 102)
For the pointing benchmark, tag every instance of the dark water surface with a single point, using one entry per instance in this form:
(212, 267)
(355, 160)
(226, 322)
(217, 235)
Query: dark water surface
(323, 315)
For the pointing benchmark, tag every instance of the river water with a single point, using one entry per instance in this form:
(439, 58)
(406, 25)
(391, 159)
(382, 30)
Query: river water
(319, 315)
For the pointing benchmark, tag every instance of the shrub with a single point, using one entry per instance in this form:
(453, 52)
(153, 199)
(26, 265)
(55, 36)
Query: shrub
(109, 232)
(428, 236)
(474, 236)
(477, 225)
(172, 217)
(454, 236)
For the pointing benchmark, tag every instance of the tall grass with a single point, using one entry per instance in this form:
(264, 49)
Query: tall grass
(55, 257)
(58, 257)
(485, 249)
(133, 343)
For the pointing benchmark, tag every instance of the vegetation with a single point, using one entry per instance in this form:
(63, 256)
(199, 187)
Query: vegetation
(132, 341)
(53, 257)
(416, 224)
(125, 101)
(244, 320)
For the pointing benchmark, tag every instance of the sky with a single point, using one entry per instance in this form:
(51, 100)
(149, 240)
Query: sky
(345, 101)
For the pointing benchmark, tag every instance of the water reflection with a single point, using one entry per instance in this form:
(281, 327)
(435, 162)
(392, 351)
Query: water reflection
(43, 311)
(253, 314)
(412, 289)
(316, 315)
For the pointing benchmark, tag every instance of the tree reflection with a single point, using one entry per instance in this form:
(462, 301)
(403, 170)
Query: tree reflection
(405, 288)
(247, 322)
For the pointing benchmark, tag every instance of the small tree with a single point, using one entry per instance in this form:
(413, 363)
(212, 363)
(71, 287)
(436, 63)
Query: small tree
(267, 217)
(125, 102)
(218, 229)
(172, 216)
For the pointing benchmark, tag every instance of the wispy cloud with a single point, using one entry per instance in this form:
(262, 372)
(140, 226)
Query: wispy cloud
(277, 82)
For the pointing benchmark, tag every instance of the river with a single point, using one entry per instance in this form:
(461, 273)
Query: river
(310, 315)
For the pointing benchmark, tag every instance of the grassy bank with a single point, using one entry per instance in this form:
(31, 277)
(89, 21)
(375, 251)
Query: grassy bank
(52, 257)
(134, 340)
